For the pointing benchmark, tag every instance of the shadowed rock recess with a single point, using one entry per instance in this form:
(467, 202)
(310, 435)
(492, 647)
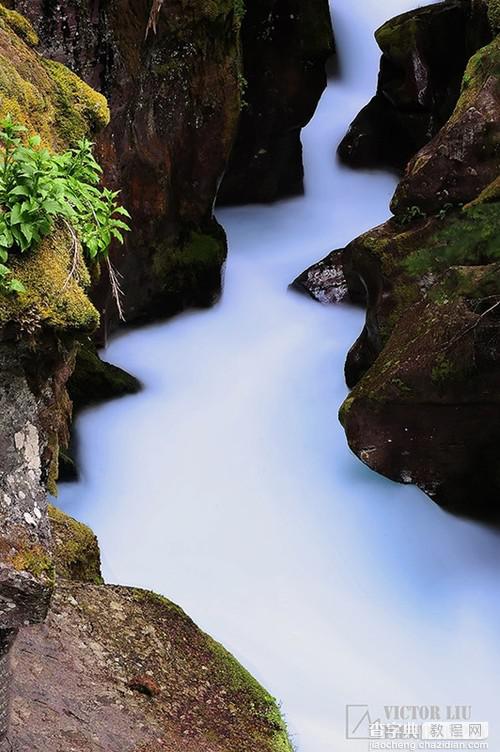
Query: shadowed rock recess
(110, 668)
(285, 44)
(425, 371)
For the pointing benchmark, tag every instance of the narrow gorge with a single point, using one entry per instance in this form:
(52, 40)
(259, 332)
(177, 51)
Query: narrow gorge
(313, 229)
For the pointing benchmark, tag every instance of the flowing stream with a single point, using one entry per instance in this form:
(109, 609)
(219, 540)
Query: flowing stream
(227, 484)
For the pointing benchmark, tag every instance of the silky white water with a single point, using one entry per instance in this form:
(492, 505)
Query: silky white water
(227, 484)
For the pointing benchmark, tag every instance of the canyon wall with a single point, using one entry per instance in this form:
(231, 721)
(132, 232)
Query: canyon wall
(425, 372)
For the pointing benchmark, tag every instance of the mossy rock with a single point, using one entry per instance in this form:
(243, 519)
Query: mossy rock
(93, 380)
(166, 684)
(76, 554)
(20, 25)
(494, 14)
(53, 297)
(44, 95)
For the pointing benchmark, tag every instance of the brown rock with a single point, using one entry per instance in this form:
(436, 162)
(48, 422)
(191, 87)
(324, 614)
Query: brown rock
(425, 53)
(72, 681)
(465, 155)
(145, 685)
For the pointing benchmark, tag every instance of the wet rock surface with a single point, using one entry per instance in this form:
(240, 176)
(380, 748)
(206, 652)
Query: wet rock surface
(326, 281)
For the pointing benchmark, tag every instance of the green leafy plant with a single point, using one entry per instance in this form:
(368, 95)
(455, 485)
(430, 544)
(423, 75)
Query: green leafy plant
(38, 188)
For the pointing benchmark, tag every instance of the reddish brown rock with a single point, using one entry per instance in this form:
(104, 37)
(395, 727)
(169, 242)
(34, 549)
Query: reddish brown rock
(72, 679)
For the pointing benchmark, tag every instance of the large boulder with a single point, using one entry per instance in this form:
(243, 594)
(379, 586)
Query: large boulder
(425, 372)
(428, 410)
(425, 52)
(123, 670)
(285, 45)
(464, 157)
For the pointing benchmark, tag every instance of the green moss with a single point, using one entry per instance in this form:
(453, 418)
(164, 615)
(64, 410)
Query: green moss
(344, 408)
(482, 66)
(442, 370)
(76, 551)
(468, 238)
(397, 37)
(494, 14)
(157, 599)
(489, 194)
(187, 268)
(43, 95)
(19, 25)
(52, 298)
(80, 109)
(231, 674)
(36, 561)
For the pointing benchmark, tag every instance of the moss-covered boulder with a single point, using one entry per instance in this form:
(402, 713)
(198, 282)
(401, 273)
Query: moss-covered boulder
(285, 45)
(75, 549)
(41, 94)
(126, 670)
(424, 55)
(428, 411)
(54, 297)
(426, 370)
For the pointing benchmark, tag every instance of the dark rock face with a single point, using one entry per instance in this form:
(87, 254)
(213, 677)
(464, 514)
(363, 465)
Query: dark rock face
(285, 45)
(427, 412)
(175, 101)
(464, 157)
(174, 95)
(426, 369)
(425, 53)
(93, 380)
(425, 372)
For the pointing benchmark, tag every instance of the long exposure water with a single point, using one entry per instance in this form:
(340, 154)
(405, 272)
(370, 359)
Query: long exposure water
(227, 484)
